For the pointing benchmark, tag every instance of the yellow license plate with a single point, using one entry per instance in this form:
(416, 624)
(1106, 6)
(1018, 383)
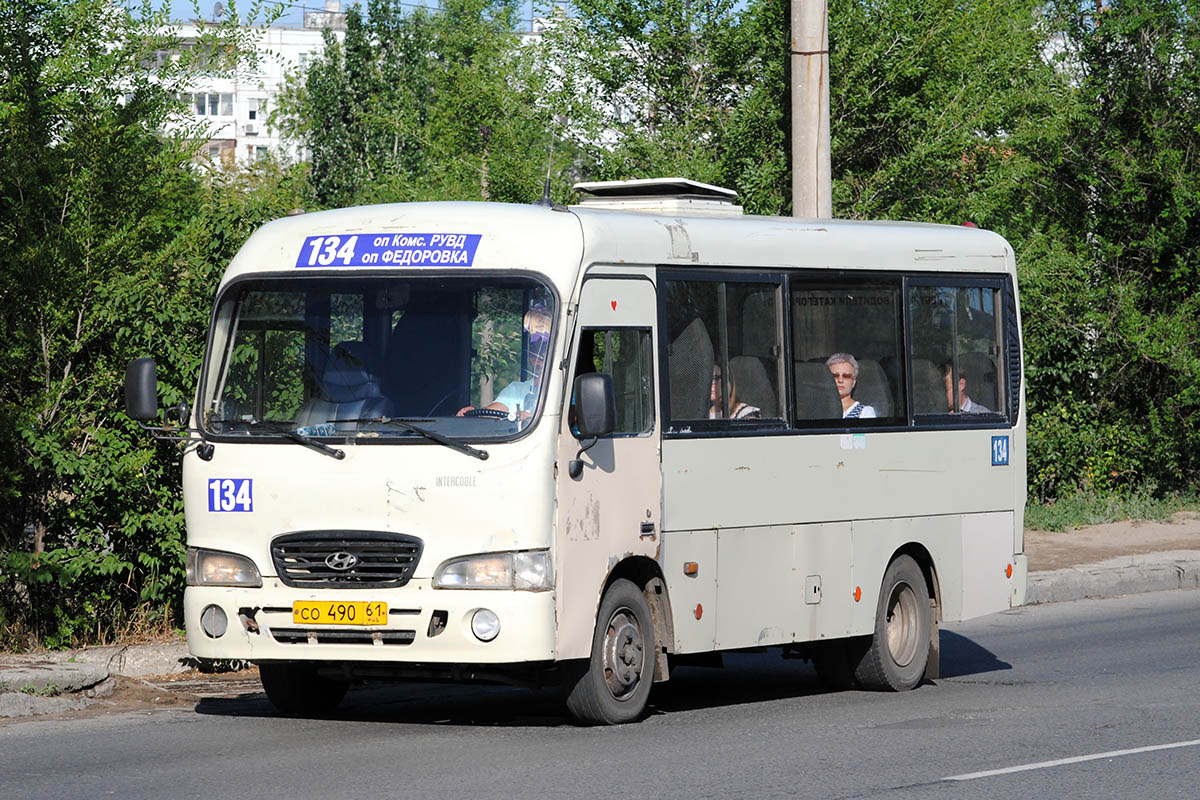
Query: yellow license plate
(338, 612)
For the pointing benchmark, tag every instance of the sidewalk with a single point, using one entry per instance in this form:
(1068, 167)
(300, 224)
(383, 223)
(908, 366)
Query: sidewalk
(52, 683)
(1097, 561)
(1114, 559)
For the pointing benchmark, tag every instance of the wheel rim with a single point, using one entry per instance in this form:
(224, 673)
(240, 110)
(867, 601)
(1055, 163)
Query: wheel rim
(624, 654)
(903, 624)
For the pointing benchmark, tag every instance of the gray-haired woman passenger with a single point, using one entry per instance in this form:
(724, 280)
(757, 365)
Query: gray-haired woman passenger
(845, 374)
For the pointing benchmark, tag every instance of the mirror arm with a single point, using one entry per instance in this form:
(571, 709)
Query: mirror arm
(575, 467)
(189, 436)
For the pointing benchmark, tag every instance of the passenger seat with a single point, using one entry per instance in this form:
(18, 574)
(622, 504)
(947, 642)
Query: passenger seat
(346, 391)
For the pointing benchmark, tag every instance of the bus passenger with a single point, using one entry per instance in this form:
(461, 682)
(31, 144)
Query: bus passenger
(740, 410)
(845, 374)
(965, 404)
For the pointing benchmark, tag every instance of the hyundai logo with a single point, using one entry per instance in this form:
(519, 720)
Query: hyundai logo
(341, 561)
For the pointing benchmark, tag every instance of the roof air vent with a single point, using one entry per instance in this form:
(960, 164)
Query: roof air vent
(673, 196)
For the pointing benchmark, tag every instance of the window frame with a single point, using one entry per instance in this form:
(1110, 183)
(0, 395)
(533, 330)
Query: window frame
(723, 427)
(1002, 284)
(834, 276)
(1009, 368)
(651, 373)
(218, 366)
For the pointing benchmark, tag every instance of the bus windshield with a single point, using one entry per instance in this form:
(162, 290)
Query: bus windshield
(368, 357)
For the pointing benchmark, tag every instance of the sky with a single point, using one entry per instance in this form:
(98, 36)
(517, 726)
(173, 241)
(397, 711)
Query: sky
(292, 17)
(293, 10)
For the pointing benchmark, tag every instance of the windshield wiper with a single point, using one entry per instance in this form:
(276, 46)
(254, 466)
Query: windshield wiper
(320, 447)
(461, 447)
(284, 433)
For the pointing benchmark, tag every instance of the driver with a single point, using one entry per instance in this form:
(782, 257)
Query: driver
(523, 394)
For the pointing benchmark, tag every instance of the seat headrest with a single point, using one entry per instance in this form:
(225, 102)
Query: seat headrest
(691, 372)
(345, 378)
(754, 384)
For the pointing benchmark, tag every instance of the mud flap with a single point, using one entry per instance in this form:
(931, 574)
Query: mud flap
(933, 669)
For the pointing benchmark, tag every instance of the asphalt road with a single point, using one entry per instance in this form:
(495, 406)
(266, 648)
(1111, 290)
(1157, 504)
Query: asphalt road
(1092, 699)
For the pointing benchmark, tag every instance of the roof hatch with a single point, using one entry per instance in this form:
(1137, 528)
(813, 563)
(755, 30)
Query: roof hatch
(674, 196)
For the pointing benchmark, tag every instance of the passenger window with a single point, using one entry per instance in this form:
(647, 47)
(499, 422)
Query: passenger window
(625, 354)
(723, 355)
(956, 339)
(846, 350)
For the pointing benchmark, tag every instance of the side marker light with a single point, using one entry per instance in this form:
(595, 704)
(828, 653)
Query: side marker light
(857, 594)
(699, 611)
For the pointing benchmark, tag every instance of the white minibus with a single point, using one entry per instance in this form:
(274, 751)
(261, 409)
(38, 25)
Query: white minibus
(580, 445)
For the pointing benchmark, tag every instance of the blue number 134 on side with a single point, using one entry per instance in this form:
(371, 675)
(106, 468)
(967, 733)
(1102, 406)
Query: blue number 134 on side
(999, 451)
(230, 494)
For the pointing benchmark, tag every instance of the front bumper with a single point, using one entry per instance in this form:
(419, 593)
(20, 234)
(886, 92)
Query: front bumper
(425, 626)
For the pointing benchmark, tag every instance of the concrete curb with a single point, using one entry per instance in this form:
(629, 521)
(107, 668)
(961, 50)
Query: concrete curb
(70, 680)
(1116, 577)
(33, 686)
(134, 661)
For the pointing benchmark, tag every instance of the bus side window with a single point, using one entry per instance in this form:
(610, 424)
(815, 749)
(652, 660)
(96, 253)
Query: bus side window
(724, 361)
(956, 338)
(625, 354)
(860, 317)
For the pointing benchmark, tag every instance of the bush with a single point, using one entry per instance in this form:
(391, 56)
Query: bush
(1071, 450)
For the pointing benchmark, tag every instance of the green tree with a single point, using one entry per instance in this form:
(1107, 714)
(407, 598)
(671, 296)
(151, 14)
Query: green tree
(755, 157)
(93, 198)
(941, 110)
(1128, 201)
(660, 80)
(418, 105)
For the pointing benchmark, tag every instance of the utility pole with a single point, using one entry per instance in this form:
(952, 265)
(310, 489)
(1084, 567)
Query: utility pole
(812, 181)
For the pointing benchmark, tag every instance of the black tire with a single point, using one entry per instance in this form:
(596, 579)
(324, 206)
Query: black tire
(298, 689)
(899, 650)
(614, 686)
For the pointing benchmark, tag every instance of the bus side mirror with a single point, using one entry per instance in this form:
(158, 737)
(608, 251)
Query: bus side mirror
(141, 390)
(595, 405)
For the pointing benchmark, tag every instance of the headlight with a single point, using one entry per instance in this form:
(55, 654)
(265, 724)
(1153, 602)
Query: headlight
(214, 568)
(529, 571)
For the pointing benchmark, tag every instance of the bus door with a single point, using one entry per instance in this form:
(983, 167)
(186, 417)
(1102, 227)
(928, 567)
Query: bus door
(612, 511)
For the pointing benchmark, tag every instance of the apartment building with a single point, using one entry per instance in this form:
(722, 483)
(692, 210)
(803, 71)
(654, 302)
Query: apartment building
(233, 110)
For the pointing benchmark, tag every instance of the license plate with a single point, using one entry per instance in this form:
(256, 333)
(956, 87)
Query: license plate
(338, 612)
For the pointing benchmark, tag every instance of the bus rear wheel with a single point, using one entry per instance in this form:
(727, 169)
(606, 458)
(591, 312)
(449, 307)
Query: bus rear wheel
(296, 688)
(899, 649)
(615, 685)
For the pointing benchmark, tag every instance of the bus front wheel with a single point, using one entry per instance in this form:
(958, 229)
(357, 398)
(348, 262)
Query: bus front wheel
(615, 685)
(899, 649)
(297, 688)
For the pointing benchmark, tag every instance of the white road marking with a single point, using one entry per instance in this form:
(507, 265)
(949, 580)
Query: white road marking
(1058, 762)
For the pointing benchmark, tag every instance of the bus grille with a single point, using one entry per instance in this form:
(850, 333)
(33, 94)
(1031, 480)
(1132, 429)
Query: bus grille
(345, 559)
